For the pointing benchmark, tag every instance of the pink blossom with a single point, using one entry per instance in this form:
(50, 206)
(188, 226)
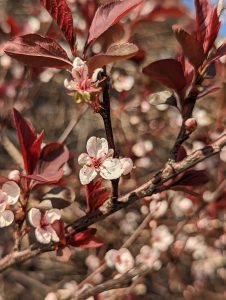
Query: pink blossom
(100, 160)
(81, 83)
(9, 195)
(44, 230)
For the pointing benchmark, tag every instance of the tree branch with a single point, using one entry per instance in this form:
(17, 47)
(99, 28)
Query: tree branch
(156, 184)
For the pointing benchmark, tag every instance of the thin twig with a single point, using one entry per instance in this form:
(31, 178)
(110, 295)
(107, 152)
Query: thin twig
(122, 282)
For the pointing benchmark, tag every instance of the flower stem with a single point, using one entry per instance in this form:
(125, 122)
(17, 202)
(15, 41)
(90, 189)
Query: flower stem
(105, 113)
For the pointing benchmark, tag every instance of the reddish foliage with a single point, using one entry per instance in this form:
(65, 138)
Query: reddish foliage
(168, 72)
(85, 239)
(114, 53)
(96, 195)
(61, 13)
(38, 51)
(30, 142)
(108, 15)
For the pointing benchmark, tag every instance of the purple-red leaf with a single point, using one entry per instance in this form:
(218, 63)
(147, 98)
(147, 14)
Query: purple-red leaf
(192, 48)
(109, 14)
(38, 51)
(61, 13)
(30, 142)
(168, 72)
(114, 53)
(50, 165)
(207, 23)
(96, 195)
(86, 239)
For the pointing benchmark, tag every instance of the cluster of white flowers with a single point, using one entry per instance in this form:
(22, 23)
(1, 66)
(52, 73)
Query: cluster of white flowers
(99, 159)
(9, 195)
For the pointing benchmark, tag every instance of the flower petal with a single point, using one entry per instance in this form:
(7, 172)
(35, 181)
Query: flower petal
(127, 165)
(3, 201)
(52, 215)
(111, 168)
(6, 218)
(12, 190)
(87, 174)
(84, 159)
(34, 217)
(42, 235)
(54, 236)
(97, 147)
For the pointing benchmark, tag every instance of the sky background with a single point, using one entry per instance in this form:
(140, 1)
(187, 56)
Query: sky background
(190, 4)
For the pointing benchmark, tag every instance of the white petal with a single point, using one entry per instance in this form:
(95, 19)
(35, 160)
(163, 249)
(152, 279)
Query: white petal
(68, 84)
(127, 165)
(95, 74)
(34, 217)
(110, 257)
(78, 62)
(14, 175)
(84, 159)
(87, 174)
(3, 201)
(111, 168)
(12, 190)
(6, 218)
(97, 147)
(54, 236)
(52, 215)
(43, 236)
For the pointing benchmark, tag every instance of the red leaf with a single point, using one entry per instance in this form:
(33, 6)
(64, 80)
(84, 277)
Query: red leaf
(168, 72)
(96, 195)
(58, 226)
(109, 14)
(49, 168)
(114, 53)
(30, 142)
(86, 239)
(192, 48)
(207, 23)
(38, 51)
(212, 30)
(61, 13)
(202, 10)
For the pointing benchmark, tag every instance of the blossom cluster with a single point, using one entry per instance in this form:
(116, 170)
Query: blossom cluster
(82, 86)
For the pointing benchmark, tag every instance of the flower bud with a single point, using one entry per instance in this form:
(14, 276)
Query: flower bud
(190, 125)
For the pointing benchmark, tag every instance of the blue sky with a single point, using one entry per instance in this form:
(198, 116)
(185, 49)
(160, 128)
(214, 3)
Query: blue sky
(190, 4)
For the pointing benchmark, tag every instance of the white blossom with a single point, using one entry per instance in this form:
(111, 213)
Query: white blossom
(121, 259)
(9, 195)
(149, 257)
(44, 231)
(161, 238)
(99, 159)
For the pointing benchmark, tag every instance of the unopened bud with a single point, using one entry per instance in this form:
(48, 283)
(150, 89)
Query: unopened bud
(190, 125)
